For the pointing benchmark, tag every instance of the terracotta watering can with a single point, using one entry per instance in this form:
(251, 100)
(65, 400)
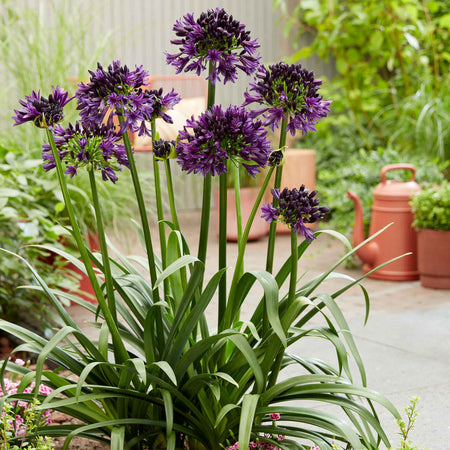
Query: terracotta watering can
(390, 204)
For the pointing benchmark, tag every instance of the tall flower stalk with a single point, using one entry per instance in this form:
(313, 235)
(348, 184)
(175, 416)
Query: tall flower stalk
(119, 348)
(221, 41)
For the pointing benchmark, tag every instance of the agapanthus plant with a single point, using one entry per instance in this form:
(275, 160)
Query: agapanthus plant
(290, 92)
(207, 144)
(159, 374)
(42, 111)
(216, 38)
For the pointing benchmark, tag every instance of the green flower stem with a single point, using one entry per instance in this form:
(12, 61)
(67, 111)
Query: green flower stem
(204, 224)
(276, 367)
(170, 192)
(237, 196)
(145, 230)
(207, 183)
(294, 267)
(227, 319)
(277, 184)
(273, 225)
(120, 351)
(103, 247)
(222, 295)
(159, 208)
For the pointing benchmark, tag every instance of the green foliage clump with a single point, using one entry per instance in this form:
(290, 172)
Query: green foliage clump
(29, 208)
(390, 90)
(431, 208)
(392, 65)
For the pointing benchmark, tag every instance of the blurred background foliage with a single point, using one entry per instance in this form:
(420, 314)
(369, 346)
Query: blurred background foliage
(390, 91)
(45, 44)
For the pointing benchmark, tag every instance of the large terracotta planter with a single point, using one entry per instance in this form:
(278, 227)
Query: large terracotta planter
(248, 198)
(433, 253)
(299, 168)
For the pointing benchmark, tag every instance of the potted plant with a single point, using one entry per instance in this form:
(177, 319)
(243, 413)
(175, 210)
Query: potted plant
(431, 209)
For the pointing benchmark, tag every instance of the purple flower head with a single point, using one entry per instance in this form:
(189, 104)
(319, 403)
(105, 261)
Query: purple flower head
(286, 91)
(42, 111)
(217, 38)
(295, 208)
(219, 135)
(95, 147)
(117, 90)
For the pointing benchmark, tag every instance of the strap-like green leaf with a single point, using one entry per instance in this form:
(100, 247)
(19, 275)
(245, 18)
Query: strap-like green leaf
(249, 403)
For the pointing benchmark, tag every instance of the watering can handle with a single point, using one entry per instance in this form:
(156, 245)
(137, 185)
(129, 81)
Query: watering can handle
(400, 166)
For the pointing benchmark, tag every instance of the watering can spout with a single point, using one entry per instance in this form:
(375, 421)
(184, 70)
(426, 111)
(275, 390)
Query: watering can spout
(369, 252)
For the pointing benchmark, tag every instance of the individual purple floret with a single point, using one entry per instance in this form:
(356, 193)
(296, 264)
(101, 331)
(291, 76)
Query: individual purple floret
(94, 147)
(163, 103)
(218, 135)
(286, 91)
(295, 208)
(215, 37)
(121, 91)
(43, 112)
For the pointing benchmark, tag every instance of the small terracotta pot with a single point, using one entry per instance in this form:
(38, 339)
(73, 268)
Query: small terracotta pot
(433, 247)
(248, 198)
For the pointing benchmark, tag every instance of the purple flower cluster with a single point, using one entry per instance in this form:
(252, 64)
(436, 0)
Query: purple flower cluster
(288, 92)
(217, 38)
(295, 208)
(220, 135)
(42, 111)
(92, 146)
(118, 90)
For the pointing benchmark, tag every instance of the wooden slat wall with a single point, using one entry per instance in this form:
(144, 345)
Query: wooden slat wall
(144, 29)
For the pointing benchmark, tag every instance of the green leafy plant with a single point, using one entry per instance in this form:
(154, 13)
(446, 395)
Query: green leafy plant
(384, 54)
(406, 427)
(29, 206)
(431, 208)
(158, 376)
(21, 421)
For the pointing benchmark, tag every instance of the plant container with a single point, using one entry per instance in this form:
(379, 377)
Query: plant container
(433, 254)
(248, 198)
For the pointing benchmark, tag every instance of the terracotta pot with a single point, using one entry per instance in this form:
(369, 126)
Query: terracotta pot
(299, 168)
(248, 198)
(86, 290)
(433, 258)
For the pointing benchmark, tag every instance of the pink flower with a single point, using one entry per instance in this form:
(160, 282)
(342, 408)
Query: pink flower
(19, 362)
(274, 416)
(45, 390)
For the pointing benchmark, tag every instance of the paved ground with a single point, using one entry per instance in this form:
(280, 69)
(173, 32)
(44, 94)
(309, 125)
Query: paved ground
(405, 345)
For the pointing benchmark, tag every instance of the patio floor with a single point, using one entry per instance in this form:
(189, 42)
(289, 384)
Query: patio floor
(405, 345)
